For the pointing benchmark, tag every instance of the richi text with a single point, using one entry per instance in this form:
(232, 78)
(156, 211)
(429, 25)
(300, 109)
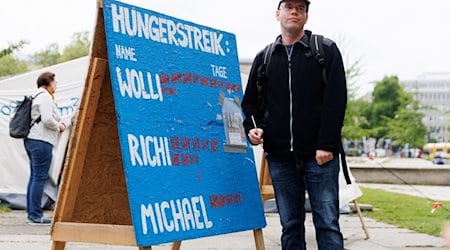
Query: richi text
(153, 151)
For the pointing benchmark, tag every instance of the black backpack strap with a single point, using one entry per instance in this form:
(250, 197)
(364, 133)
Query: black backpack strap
(262, 74)
(38, 120)
(316, 43)
(268, 55)
(344, 164)
(33, 97)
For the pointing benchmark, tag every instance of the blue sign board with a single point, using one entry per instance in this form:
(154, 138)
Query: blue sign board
(177, 90)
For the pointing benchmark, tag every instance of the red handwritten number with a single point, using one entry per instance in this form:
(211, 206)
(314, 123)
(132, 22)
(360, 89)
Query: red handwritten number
(175, 159)
(214, 145)
(196, 144)
(220, 200)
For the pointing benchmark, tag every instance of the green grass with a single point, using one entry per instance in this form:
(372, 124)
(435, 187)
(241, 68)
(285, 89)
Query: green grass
(405, 211)
(4, 209)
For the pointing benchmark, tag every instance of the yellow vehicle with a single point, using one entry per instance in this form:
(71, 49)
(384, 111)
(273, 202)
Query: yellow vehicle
(440, 149)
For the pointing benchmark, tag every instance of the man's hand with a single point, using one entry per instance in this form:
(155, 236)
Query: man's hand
(256, 136)
(323, 157)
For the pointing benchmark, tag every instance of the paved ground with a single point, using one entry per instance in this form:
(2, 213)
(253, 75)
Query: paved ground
(15, 234)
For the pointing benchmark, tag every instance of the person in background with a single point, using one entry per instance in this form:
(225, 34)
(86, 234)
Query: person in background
(39, 144)
(300, 122)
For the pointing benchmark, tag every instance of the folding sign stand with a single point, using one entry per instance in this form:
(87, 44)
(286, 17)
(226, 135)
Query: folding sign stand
(93, 204)
(267, 192)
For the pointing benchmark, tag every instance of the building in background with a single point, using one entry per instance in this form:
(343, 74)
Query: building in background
(432, 91)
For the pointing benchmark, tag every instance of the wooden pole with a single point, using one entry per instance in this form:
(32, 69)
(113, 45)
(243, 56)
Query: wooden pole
(265, 183)
(259, 239)
(176, 245)
(363, 225)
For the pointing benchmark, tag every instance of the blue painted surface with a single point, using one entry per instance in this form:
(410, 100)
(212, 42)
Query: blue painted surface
(175, 84)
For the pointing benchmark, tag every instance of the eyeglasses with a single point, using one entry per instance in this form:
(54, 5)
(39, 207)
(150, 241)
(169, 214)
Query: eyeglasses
(290, 7)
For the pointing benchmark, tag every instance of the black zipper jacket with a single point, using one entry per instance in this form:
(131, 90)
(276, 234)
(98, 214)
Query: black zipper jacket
(301, 114)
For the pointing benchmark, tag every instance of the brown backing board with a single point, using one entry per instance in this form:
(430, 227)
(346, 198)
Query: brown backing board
(93, 190)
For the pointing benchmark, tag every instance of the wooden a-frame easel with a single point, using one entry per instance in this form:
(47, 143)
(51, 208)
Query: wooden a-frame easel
(93, 203)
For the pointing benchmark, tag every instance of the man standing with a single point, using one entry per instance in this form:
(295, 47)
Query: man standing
(298, 115)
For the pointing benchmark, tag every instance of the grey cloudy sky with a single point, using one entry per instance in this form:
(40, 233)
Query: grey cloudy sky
(401, 37)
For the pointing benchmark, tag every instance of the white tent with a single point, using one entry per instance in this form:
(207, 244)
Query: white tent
(14, 164)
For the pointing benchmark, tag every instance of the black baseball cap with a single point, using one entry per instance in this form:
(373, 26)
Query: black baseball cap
(307, 2)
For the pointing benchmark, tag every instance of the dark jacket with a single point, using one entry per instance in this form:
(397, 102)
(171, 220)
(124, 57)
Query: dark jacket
(300, 113)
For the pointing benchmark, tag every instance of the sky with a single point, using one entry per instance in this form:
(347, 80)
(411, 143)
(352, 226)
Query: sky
(406, 38)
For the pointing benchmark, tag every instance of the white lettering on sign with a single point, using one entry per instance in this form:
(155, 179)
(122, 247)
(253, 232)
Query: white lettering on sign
(137, 86)
(175, 215)
(126, 53)
(149, 151)
(219, 71)
(133, 23)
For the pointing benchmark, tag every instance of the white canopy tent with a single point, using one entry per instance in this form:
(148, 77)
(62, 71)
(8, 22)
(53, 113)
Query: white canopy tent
(14, 164)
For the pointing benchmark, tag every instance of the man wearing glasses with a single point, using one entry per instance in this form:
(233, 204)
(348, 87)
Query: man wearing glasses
(300, 124)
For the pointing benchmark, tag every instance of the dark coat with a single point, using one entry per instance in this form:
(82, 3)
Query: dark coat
(300, 113)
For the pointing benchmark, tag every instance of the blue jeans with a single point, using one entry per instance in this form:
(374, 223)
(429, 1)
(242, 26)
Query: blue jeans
(290, 179)
(40, 156)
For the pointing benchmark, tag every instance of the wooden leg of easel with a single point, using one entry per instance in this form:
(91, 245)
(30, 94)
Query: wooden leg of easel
(259, 239)
(176, 245)
(358, 211)
(58, 245)
(145, 248)
(265, 183)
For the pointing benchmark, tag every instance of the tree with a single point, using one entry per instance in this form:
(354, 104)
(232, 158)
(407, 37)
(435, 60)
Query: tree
(352, 72)
(79, 47)
(351, 75)
(355, 123)
(407, 128)
(12, 48)
(10, 66)
(48, 56)
(387, 98)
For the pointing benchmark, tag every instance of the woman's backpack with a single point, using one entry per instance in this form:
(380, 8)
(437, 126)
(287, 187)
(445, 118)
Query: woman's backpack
(20, 123)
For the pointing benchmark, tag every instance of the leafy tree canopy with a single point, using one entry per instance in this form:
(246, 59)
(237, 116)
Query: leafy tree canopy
(10, 65)
(78, 47)
(12, 48)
